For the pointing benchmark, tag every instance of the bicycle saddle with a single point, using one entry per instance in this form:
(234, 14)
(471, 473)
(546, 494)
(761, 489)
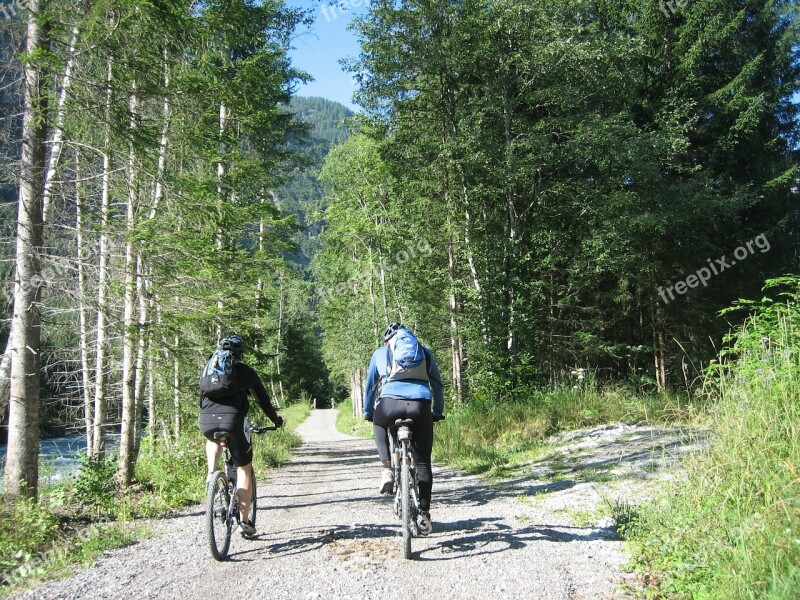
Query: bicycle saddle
(404, 423)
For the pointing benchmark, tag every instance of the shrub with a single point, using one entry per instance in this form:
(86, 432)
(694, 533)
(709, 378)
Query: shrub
(95, 483)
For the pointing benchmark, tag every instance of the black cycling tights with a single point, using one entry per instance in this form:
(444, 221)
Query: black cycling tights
(386, 413)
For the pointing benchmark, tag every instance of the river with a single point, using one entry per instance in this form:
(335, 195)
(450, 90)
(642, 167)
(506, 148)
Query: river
(58, 457)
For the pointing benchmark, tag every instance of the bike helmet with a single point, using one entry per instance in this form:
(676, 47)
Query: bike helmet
(233, 343)
(389, 332)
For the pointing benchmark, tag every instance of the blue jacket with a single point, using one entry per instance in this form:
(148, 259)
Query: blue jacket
(412, 390)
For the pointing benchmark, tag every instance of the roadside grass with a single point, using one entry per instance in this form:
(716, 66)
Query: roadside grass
(73, 524)
(732, 529)
(347, 423)
(496, 438)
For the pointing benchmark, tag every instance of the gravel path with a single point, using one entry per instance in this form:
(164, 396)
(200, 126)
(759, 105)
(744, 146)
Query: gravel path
(325, 533)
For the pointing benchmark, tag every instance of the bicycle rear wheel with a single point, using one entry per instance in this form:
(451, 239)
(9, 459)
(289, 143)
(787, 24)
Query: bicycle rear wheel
(406, 505)
(218, 525)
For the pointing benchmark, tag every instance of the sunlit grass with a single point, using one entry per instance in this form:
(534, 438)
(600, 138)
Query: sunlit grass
(495, 438)
(732, 530)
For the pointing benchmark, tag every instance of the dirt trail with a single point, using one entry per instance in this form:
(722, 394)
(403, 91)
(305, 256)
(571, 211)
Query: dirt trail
(325, 533)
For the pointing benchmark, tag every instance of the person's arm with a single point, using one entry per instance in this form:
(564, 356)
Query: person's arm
(370, 388)
(437, 389)
(260, 393)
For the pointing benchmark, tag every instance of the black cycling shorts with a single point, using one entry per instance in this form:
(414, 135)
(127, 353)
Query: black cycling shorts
(238, 434)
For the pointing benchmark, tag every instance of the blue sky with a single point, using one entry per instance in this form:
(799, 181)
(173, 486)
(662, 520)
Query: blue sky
(319, 48)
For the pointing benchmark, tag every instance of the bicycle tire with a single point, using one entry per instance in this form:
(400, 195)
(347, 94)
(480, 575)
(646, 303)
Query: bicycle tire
(406, 505)
(218, 525)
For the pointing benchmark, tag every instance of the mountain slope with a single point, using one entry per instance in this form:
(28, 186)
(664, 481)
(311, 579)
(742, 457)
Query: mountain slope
(303, 195)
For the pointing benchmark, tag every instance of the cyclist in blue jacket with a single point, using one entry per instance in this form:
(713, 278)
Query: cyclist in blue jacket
(392, 393)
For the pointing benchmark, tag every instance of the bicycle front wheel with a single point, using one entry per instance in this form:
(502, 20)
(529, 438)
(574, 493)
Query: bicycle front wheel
(405, 490)
(218, 525)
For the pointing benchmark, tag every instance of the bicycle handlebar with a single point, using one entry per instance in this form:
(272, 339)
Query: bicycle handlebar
(263, 429)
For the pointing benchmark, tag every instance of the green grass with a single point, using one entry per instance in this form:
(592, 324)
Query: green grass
(584, 518)
(73, 525)
(495, 438)
(352, 425)
(732, 530)
(37, 544)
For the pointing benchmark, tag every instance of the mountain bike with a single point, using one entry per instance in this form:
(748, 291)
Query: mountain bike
(222, 502)
(406, 490)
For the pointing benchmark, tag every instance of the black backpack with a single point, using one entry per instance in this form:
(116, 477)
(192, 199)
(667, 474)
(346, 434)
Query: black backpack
(218, 380)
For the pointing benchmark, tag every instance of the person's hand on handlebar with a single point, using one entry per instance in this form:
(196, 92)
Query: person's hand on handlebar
(438, 418)
(368, 419)
(278, 421)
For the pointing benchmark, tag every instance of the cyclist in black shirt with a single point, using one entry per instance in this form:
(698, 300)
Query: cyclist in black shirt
(231, 416)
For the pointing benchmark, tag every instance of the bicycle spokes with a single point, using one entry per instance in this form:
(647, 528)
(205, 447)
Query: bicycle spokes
(218, 520)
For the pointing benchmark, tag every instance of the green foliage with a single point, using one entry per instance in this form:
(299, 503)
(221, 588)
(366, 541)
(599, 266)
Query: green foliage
(95, 483)
(35, 544)
(173, 476)
(731, 529)
(26, 528)
(625, 517)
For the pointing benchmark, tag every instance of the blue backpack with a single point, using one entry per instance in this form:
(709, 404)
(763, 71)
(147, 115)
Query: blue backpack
(405, 358)
(218, 379)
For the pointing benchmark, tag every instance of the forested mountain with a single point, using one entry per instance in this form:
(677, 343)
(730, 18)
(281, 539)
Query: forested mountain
(303, 195)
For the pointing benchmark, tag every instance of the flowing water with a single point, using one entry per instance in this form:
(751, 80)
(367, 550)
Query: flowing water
(58, 457)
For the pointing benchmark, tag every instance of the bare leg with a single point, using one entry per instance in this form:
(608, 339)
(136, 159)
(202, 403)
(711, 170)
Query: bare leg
(244, 489)
(213, 451)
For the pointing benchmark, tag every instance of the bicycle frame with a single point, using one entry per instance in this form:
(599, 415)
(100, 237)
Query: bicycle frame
(223, 487)
(406, 499)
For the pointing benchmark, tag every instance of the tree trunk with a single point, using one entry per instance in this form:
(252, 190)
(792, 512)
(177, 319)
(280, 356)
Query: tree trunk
(146, 303)
(163, 143)
(221, 171)
(151, 390)
(127, 456)
(57, 140)
(456, 345)
(139, 391)
(102, 282)
(82, 310)
(22, 458)
(5, 374)
(357, 391)
(279, 340)
(659, 358)
(176, 391)
(55, 154)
